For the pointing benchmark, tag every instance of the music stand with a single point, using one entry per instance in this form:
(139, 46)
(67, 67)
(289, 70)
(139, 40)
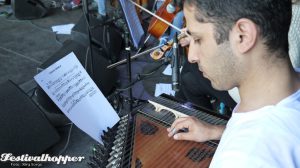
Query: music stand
(134, 26)
(133, 31)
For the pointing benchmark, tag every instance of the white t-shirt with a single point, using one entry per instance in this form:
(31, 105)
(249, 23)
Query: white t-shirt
(268, 137)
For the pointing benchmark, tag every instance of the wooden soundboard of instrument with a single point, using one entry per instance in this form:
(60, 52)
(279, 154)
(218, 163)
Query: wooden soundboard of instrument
(153, 148)
(140, 140)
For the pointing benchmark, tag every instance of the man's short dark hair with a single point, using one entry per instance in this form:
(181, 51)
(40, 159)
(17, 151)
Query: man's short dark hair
(272, 17)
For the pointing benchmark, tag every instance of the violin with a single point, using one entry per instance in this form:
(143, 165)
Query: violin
(157, 27)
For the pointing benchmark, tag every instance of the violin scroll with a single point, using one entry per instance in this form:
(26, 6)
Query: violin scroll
(160, 52)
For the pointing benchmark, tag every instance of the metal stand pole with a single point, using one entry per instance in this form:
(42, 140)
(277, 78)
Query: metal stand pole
(127, 48)
(86, 14)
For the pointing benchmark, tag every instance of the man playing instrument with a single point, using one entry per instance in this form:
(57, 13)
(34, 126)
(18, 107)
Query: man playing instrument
(244, 44)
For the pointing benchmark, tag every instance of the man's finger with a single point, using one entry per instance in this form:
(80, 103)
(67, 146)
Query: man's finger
(181, 126)
(177, 121)
(182, 136)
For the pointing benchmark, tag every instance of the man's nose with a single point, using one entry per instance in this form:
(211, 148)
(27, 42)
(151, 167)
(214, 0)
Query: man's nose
(192, 56)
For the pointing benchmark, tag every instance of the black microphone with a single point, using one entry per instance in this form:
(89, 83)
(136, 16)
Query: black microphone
(175, 65)
(171, 7)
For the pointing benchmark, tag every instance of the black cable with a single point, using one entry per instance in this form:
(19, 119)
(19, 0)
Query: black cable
(68, 140)
(61, 126)
(86, 58)
(139, 78)
(33, 92)
(104, 33)
(153, 71)
(87, 20)
(128, 86)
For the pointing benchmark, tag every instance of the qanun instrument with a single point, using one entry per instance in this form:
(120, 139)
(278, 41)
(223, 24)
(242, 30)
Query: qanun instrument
(140, 140)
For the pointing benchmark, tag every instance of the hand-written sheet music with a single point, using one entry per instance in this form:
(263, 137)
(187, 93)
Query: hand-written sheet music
(133, 22)
(71, 88)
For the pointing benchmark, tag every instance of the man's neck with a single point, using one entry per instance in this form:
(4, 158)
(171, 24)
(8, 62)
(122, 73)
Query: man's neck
(267, 84)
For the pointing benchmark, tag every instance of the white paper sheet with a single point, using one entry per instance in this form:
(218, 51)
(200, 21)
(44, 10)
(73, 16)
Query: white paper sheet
(70, 87)
(63, 29)
(161, 88)
(168, 70)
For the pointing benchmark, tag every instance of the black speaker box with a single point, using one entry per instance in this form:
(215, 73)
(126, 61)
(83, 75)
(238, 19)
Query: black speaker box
(28, 9)
(95, 65)
(24, 128)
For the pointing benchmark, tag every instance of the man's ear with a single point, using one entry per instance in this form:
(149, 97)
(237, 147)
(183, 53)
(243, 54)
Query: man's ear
(245, 34)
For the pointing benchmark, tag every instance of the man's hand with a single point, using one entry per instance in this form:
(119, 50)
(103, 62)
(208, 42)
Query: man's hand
(198, 131)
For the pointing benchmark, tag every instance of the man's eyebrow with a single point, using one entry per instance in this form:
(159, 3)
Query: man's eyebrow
(188, 32)
(191, 33)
